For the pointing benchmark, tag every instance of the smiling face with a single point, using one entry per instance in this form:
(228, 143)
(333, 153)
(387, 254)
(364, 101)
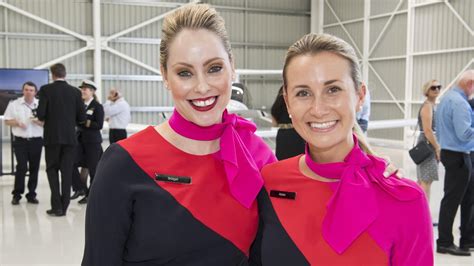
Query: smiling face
(322, 100)
(199, 75)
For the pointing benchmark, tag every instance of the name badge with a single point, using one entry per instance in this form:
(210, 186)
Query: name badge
(173, 179)
(283, 194)
(90, 112)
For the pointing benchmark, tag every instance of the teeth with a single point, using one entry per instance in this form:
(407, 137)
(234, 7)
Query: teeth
(204, 103)
(322, 125)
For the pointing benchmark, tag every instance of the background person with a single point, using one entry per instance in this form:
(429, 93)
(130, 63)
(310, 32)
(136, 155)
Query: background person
(427, 171)
(288, 142)
(456, 137)
(89, 136)
(363, 115)
(117, 113)
(61, 108)
(27, 133)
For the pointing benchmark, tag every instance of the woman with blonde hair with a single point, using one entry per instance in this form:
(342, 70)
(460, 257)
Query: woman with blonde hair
(332, 205)
(183, 192)
(427, 171)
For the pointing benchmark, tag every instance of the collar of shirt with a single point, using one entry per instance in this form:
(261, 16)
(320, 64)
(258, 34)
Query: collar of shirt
(33, 104)
(88, 102)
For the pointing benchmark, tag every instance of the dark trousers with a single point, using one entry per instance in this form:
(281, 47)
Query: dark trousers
(60, 157)
(364, 124)
(117, 134)
(88, 156)
(458, 190)
(28, 156)
(467, 210)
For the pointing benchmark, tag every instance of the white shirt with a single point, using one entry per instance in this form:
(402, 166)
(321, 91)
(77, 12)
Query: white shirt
(118, 113)
(22, 112)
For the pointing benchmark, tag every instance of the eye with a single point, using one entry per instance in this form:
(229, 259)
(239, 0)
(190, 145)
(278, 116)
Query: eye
(215, 69)
(334, 89)
(184, 73)
(302, 93)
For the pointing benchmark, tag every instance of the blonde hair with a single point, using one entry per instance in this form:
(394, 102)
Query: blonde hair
(312, 44)
(192, 16)
(427, 86)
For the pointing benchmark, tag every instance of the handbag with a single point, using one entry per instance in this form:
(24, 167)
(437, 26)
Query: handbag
(420, 151)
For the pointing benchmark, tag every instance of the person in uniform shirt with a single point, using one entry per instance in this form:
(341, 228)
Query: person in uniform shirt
(117, 113)
(333, 205)
(27, 133)
(89, 135)
(183, 192)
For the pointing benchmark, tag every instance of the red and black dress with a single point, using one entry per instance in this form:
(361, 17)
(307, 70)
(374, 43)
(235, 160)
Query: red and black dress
(159, 205)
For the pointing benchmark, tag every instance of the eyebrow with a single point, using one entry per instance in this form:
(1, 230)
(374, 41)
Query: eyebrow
(325, 83)
(330, 81)
(205, 63)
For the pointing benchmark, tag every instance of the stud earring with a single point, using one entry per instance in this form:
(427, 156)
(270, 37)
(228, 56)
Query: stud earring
(290, 116)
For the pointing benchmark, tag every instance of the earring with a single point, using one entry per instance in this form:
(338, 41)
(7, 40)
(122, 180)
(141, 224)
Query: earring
(290, 116)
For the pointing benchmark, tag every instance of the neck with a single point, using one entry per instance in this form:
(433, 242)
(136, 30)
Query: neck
(432, 99)
(196, 147)
(336, 153)
(28, 100)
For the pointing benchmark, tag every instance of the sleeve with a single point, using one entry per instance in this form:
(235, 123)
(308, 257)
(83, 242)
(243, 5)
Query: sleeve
(112, 109)
(109, 210)
(255, 256)
(80, 112)
(9, 112)
(462, 121)
(414, 245)
(42, 105)
(98, 121)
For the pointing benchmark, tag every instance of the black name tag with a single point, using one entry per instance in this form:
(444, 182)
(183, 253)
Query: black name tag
(283, 194)
(173, 179)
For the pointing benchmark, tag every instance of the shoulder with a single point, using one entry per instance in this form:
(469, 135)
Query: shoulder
(261, 152)
(283, 168)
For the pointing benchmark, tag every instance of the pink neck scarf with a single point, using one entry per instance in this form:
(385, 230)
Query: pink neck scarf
(354, 206)
(241, 170)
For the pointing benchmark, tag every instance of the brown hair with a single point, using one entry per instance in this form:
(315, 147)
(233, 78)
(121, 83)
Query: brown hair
(195, 17)
(312, 44)
(58, 70)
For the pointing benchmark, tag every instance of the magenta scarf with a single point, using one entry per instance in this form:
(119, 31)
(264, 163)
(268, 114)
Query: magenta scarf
(241, 170)
(353, 206)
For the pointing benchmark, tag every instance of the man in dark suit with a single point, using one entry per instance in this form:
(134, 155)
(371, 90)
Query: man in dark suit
(61, 108)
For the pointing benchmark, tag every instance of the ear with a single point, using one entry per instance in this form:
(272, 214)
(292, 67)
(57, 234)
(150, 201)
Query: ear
(361, 96)
(164, 75)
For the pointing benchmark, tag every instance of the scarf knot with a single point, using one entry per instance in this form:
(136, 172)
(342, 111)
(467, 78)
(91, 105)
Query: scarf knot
(354, 206)
(242, 172)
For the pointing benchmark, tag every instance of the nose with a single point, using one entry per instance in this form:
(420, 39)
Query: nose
(319, 107)
(202, 85)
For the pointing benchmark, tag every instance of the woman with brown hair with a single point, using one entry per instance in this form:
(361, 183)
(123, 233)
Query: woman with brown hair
(332, 205)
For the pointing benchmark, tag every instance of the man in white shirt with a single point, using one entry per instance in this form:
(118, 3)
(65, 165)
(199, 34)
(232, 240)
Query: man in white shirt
(117, 113)
(27, 133)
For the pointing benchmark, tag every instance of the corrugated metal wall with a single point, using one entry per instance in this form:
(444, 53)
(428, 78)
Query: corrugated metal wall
(260, 31)
(436, 31)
